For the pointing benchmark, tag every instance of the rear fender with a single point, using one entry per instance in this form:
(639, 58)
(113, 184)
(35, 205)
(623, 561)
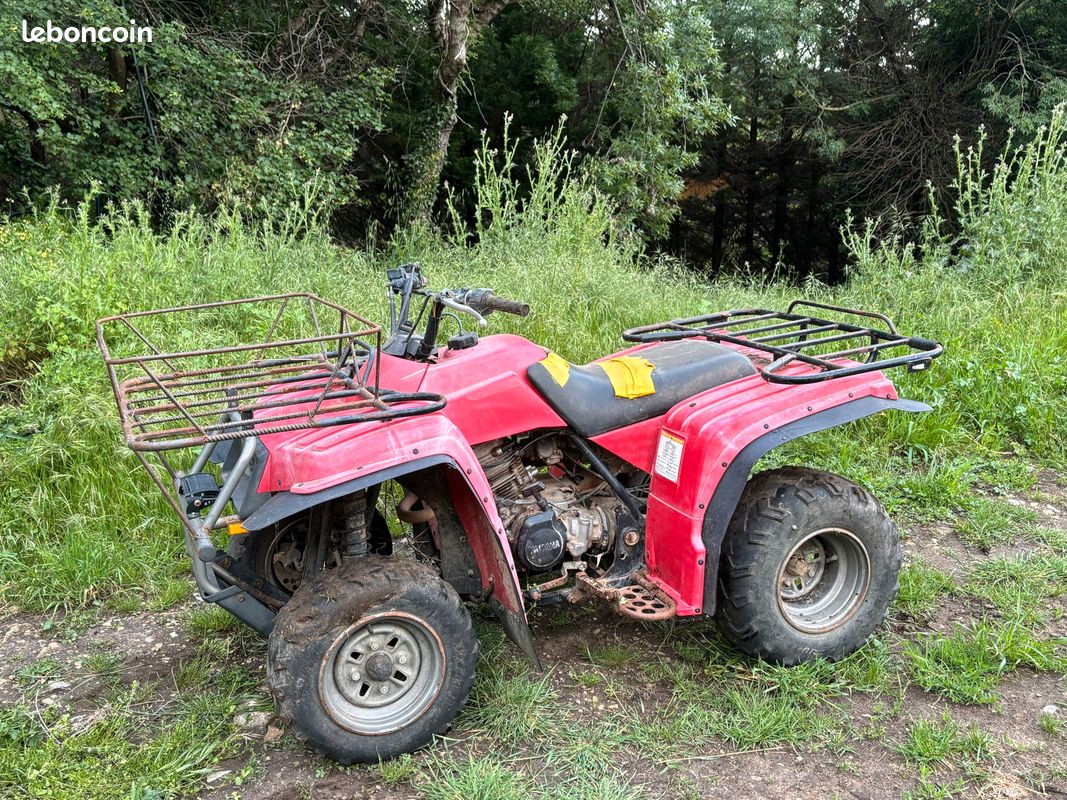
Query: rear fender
(432, 457)
(718, 436)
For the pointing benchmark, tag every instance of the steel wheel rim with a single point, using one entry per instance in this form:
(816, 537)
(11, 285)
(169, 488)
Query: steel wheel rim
(394, 651)
(823, 580)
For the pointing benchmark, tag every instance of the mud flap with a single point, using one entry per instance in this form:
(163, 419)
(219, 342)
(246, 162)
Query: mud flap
(518, 630)
(498, 574)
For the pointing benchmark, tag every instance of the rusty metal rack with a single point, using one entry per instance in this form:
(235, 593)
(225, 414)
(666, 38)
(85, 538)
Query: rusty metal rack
(314, 366)
(833, 348)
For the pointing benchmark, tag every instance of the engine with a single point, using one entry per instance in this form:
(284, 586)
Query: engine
(551, 506)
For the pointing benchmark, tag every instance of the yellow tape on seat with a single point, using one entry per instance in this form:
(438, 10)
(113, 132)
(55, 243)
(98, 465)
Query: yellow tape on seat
(630, 376)
(558, 367)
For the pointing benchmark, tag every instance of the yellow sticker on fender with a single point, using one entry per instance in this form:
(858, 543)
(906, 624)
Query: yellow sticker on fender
(669, 456)
(630, 376)
(558, 367)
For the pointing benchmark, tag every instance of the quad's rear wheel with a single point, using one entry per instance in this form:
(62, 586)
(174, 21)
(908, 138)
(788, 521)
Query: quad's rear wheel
(371, 659)
(809, 567)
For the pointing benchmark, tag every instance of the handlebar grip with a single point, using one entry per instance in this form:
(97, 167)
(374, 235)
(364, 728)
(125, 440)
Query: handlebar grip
(493, 303)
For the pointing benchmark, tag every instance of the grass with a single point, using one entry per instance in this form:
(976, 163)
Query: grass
(170, 593)
(610, 655)
(474, 779)
(921, 589)
(82, 531)
(103, 662)
(988, 522)
(117, 749)
(47, 669)
(508, 703)
(1053, 724)
(398, 771)
(492, 779)
(589, 746)
(931, 790)
(749, 717)
(1020, 587)
(966, 665)
(931, 743)
(934, 745)
(207, 620)
(717, 696)
(1055, 539)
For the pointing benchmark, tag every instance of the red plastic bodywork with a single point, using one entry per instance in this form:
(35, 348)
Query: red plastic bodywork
(489, 397)
(715, 426)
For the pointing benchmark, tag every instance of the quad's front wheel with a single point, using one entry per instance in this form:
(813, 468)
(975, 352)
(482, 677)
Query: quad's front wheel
(809, 567)
(370, 660)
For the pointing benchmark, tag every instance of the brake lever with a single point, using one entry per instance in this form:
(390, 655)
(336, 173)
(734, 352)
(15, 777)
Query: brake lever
(464, 309)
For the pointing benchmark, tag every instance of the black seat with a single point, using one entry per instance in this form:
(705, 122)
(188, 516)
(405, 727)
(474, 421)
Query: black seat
(586, 398)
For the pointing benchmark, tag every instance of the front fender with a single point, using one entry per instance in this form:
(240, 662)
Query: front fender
(717, 438)
(320, 465)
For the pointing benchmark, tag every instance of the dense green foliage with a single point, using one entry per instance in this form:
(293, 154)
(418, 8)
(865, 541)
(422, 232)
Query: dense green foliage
(222, 129)
(762, 122)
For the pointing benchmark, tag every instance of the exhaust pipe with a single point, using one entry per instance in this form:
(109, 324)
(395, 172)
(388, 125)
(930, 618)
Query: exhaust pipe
(406, 513)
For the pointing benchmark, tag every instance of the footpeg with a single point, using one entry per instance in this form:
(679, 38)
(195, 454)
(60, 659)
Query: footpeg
(642, 602)
(641, 599)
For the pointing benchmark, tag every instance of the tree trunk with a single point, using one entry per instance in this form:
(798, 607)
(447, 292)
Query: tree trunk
(809, 239)
(718, 225)
(116, 68)
(718, 230)
(785, 183)
(753, 189)
(451, 24)
(449, 28)
(37, 151)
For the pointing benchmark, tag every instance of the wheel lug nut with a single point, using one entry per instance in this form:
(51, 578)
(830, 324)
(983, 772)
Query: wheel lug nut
(402, 659)
(354, 675)
(384, 690)
(374, 645)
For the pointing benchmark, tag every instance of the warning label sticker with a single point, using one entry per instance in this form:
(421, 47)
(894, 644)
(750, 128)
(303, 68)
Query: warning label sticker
(669, 456)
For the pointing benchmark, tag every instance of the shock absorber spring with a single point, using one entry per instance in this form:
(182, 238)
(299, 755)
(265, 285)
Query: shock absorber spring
(355, 520)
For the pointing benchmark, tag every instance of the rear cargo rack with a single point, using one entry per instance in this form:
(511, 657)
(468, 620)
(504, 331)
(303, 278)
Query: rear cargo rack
(834, 348)
(315, 365)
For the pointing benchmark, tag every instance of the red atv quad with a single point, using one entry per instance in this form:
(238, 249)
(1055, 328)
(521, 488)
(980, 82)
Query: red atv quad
(517, 478)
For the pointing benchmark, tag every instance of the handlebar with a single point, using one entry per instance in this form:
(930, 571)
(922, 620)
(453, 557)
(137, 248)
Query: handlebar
(406, 282)
(485, 300)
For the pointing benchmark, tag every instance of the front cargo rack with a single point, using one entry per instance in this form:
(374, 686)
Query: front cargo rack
(314, 365)
(193, 377)
(834, 348)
